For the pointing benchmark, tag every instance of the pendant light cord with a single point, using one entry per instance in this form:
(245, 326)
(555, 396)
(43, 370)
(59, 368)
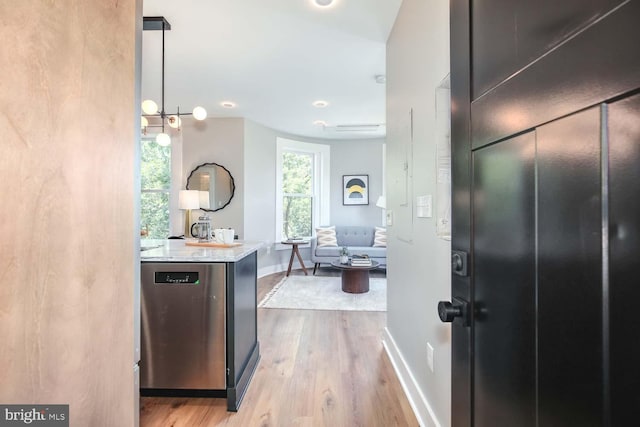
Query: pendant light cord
(162, 113)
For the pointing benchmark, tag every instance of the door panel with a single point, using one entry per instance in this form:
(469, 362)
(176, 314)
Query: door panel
(504, 245)
(570, 272)
(599, 63)
(535, 27)
(624, 250)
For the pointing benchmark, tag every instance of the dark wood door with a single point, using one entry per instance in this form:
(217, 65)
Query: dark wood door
(546, 155)
(504, 300)
(623, 288)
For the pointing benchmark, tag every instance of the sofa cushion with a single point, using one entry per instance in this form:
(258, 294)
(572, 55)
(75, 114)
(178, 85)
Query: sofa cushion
(326, 236)
(380, 238)
(333, 251)
(354, 235)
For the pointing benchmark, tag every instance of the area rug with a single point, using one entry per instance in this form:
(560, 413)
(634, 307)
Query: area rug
(325, 293)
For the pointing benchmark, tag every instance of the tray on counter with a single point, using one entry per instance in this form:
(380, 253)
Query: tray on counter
(214, 244)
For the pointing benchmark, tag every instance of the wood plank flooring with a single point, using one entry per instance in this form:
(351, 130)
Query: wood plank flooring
(318, 368)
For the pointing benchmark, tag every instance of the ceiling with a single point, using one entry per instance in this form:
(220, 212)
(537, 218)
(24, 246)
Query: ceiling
(273, 59)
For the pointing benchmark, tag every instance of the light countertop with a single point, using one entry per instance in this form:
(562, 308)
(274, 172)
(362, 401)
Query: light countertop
(175, 250)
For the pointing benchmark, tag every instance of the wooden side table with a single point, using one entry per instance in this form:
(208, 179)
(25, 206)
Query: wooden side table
(295, 251)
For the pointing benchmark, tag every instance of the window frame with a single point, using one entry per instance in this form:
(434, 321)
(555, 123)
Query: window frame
(321, 178)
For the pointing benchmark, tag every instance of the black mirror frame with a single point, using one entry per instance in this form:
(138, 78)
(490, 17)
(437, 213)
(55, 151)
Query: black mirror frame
(233, 185)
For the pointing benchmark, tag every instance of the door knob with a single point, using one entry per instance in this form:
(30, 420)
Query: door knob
(454, 311)
(448, 311)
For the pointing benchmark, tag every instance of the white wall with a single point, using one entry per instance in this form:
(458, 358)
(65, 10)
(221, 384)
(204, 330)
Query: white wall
(356, 157)
(248, 150)
(418, 262)
(216, 140)
(347, 157)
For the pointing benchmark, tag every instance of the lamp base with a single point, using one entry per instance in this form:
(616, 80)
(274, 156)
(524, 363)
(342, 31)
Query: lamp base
(187, 223)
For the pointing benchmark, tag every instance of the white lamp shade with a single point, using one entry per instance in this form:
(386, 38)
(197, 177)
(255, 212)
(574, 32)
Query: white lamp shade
(149, 107)
(199, 113)
(382, 202)
(189, 199)
(204, 199)
(163, 139)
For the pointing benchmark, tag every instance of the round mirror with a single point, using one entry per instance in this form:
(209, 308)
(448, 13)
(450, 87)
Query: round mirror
(215, 184)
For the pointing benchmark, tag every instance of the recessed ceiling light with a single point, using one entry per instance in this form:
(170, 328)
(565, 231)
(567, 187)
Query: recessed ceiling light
(323, 3)
(228, 104)
(320, 123)
(320, 103)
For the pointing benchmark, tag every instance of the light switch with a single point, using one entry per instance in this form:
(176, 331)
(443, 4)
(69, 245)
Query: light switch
(424, 206)
(389, 218)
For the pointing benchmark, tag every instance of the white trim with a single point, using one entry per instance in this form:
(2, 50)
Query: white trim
(420, 405)
(321, 187)
(280, 267)
(384, 183)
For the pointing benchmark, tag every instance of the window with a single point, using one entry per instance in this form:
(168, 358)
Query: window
(155, 173)
(302, 189)
(297, 194)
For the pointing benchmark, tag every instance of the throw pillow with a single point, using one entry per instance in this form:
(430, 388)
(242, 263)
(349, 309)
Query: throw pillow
(327, 236)
(380, 238)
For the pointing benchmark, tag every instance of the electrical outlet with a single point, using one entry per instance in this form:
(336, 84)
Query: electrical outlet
(430, 356)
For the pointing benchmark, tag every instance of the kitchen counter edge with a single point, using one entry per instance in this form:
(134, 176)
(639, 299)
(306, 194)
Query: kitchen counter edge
(175, 250)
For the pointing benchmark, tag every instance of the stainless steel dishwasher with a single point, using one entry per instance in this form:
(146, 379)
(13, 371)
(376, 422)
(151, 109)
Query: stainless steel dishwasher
(183, 326)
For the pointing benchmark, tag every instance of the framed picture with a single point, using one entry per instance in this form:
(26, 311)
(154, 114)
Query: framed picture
(355, 189)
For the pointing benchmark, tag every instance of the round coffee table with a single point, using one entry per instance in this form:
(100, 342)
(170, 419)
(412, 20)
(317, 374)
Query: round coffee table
(355, 279)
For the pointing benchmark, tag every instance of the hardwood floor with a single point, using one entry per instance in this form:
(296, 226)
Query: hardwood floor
(318, 368)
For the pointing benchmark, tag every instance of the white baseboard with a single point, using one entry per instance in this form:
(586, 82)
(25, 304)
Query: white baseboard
(277, 268)
(417, 400)
(269, 269)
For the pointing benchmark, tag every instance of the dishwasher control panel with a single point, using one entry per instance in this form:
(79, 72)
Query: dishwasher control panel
(177, 278)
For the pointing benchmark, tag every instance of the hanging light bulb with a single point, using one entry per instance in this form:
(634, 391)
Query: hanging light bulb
(199, 113)
(149, 107)
(174, 121)
(163, 139)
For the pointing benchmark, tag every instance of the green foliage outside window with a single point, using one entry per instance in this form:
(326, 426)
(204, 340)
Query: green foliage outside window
(297, 189)
(155, 165)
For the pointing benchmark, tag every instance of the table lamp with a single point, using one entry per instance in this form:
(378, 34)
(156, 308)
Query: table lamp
(187, 200)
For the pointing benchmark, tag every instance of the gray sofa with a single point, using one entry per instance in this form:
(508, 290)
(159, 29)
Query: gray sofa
(357, 239)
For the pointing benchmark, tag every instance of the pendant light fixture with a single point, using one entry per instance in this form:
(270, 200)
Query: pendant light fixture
(149, 107)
